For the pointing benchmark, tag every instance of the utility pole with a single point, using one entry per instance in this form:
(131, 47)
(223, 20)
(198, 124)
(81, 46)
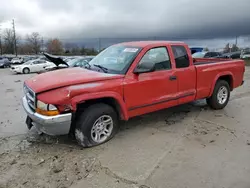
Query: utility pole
(14, 32)
(1, 48)
(236, 40)
(42, 46)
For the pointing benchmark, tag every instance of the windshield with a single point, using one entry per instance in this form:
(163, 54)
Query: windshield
(199, 55)
(71, 63)
(115, 59)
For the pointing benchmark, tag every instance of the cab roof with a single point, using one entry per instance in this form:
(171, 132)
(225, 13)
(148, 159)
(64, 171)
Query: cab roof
(143, 44)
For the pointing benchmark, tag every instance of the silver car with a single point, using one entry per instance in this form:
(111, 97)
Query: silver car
(4, 62)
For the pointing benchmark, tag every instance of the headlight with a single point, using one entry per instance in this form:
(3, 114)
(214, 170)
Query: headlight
(46, 109)
(41, 105)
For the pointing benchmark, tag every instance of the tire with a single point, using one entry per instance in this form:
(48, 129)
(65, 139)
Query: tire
(26, 70)
(215, 101)
(86, 121)
(6, 66)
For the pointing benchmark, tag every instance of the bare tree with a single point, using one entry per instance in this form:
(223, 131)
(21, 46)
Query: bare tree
(206, 49)
(24, 49)
(233, 49)
(54, 46)
(76, 51)
(34, 40)
(68, 47)
(8, 39)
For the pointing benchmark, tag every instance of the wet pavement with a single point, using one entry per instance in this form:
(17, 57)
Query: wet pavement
(189, 146)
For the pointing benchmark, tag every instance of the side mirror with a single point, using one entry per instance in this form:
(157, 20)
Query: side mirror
(144, 67)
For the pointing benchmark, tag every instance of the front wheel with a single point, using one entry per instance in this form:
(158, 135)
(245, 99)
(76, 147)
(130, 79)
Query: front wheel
(96, 125)
(220, 96)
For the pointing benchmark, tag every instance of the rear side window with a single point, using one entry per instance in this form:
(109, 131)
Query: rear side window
(181, 56)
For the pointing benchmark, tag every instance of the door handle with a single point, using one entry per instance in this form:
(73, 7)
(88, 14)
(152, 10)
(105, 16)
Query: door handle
(173, 78)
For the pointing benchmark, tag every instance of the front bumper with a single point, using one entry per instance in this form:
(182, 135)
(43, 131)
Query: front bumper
(15, 70)
(51, 125)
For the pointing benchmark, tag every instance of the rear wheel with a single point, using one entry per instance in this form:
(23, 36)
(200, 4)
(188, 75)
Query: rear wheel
(220, 96)
(26, 70)
(96, 125)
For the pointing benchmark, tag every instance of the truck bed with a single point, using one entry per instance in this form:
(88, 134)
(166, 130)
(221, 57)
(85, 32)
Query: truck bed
(202, 61)
(208, 70)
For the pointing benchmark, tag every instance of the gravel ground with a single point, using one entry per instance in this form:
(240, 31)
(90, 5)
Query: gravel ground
(189, 146)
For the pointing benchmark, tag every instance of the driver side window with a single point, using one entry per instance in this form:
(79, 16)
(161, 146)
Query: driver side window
(158, 56)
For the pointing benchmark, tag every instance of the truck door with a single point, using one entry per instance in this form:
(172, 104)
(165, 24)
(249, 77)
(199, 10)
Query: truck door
(186, 74)
(150, 91)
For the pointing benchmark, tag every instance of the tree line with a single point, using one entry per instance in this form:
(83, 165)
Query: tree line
(33, 43)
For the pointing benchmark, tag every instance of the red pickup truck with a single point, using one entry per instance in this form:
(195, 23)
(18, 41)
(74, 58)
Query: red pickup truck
(125, 80)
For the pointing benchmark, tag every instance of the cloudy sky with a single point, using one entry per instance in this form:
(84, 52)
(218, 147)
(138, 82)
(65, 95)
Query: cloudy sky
(189, 20)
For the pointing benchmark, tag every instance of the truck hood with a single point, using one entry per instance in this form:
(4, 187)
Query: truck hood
(66, 77)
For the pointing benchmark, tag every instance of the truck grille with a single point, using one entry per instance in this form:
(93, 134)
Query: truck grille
(30, 96)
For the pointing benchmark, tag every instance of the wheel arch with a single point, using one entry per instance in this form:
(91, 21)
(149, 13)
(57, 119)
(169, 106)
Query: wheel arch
(113, 99)
(227, 76)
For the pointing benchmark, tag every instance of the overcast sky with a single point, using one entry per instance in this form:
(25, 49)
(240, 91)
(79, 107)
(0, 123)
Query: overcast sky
(176, 19)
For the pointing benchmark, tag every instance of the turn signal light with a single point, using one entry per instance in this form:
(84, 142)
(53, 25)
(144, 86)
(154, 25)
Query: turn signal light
(47, 113)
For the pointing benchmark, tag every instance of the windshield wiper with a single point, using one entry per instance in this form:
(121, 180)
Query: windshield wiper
(101, 67)
(89, 66)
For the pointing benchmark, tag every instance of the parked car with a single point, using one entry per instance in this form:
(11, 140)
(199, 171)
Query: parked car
(196, 49)
(206, 54)
(124, 81)
(9, 58)
(245, 55)
(17, 61)
(4, 62)
(232, 55)
(31, 66)
(60, 63)
(67, 59)
(78, 62)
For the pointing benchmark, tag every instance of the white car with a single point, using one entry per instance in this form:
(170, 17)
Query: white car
(17, 60)
(37, 65)
(60, 64)
(245, 55)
